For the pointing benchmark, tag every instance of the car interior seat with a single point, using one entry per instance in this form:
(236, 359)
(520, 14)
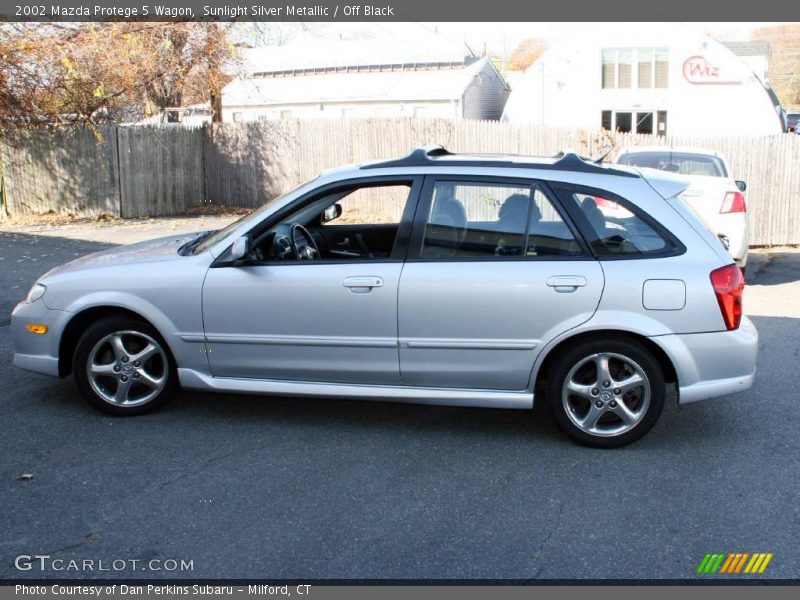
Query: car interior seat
(447, 228)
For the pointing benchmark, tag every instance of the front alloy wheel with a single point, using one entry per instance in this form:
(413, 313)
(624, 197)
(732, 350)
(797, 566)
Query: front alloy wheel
(127, 368)
(122, 367)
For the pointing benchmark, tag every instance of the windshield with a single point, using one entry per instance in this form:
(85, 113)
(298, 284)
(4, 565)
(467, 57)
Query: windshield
(253, 217)
(685, 163)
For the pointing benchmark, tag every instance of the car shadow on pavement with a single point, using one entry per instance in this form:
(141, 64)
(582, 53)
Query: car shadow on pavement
(775, 268)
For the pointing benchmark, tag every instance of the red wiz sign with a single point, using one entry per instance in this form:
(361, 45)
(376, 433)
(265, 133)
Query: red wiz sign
(699, 71)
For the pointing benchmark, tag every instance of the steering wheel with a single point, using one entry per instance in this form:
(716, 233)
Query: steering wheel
(303, 245)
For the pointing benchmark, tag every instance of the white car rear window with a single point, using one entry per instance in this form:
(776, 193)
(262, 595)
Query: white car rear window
(684, 163)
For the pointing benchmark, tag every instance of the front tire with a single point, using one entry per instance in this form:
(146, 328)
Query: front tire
(122, 367)
(606, 394)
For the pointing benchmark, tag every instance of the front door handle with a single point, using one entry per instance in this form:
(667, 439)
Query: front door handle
(566, 283)
(362, 285)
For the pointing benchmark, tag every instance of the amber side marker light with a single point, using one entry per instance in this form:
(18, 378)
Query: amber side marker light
(38, 328)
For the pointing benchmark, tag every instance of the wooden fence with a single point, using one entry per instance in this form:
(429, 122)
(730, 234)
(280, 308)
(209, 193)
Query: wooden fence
(145, 171)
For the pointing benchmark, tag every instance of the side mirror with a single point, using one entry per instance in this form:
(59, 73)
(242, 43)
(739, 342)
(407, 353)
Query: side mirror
(239, 248)
(741, 185)
(334, 211)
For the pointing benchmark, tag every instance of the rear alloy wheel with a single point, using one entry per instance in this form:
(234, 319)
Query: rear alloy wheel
(606, 394)
(122, 367)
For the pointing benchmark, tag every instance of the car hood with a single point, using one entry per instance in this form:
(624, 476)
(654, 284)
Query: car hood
(156, 250)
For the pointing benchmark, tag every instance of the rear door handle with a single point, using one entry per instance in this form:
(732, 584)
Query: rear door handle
(566, 283)
(362, 285)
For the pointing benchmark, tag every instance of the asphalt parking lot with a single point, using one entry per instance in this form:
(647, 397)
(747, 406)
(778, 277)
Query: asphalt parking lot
(253, 487)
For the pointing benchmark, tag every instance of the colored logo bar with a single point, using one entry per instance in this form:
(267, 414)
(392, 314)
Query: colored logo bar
(734, 563)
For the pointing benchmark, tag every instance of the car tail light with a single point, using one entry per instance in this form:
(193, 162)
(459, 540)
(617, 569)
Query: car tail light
(733, 203)
(600, 201)
(728, 285)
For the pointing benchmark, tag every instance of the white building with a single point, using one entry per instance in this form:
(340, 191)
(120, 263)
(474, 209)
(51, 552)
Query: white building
(647, 78)
(365, 79)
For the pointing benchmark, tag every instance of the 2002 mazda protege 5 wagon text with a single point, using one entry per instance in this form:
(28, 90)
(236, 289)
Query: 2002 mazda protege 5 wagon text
(436, 278)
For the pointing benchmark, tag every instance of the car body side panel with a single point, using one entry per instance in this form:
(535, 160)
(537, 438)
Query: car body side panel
(298, 321)
(482, 324)
(167, 293)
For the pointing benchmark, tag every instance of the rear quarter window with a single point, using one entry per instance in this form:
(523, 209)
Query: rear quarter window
(616, 228)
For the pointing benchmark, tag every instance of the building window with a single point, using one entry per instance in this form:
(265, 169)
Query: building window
(645, 72)
(626, 121)
(644, 123)
(609, 68)
(625, 68)
(662, 67)
(623, 122)
(661, 122)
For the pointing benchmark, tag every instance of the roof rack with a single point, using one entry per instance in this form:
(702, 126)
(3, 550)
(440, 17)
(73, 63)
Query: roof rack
(429, 155)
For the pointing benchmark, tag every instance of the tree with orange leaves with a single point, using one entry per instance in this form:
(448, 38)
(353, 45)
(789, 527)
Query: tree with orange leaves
(66, 73)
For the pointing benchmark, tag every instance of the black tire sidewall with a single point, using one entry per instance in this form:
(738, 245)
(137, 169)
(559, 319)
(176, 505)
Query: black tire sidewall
(568, 358)
(95, 333)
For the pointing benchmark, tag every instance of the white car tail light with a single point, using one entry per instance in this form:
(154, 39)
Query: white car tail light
(733, 203)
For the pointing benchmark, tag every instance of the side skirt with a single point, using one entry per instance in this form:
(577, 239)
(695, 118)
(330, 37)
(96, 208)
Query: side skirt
(194, 380)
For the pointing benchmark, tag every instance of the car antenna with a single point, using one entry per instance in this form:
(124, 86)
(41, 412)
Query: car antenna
(602, 158)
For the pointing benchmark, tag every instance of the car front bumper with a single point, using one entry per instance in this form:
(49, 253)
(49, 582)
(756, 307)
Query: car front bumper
(714, 364)
(37, 352)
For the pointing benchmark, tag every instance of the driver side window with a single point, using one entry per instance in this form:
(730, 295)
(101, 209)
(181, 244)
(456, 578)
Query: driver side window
(351, 223)
(379, 205)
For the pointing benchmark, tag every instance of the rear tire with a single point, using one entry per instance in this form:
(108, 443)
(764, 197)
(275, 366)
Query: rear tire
(606, 394)
(123, 367)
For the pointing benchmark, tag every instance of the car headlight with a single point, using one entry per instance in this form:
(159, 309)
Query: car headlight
(36, 292)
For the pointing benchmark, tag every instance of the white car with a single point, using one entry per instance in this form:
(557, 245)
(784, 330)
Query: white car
(713, 194)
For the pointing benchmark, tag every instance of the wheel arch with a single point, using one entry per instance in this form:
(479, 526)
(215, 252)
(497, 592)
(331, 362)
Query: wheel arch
(80, 321)
(664, 361)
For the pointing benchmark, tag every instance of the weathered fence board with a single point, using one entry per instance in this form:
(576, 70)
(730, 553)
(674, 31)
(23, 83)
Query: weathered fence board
(161, 170)
(71, 171)
(146, 171)
(274, 157)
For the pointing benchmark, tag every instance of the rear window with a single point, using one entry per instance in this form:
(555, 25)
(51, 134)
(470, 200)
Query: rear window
(684, 163)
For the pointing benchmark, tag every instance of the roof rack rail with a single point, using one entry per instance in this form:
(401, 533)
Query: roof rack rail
(566, 161)
(421, 157)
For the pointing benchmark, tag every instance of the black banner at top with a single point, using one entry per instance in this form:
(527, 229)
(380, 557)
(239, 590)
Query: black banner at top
(395, 10)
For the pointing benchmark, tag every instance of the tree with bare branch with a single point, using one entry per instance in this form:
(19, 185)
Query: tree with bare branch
(57, 74)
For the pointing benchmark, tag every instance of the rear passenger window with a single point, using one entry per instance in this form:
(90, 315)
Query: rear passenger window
(614, 228)
(494, 220)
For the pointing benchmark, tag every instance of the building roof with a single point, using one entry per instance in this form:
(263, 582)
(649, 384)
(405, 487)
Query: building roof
(750, 48)
(355, 53)
(425, 83)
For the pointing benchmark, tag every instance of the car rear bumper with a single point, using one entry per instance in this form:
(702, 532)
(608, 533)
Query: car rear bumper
(714, 364)
(735, 228)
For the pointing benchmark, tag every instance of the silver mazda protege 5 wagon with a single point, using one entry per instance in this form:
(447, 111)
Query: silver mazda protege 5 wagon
(437, 278)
